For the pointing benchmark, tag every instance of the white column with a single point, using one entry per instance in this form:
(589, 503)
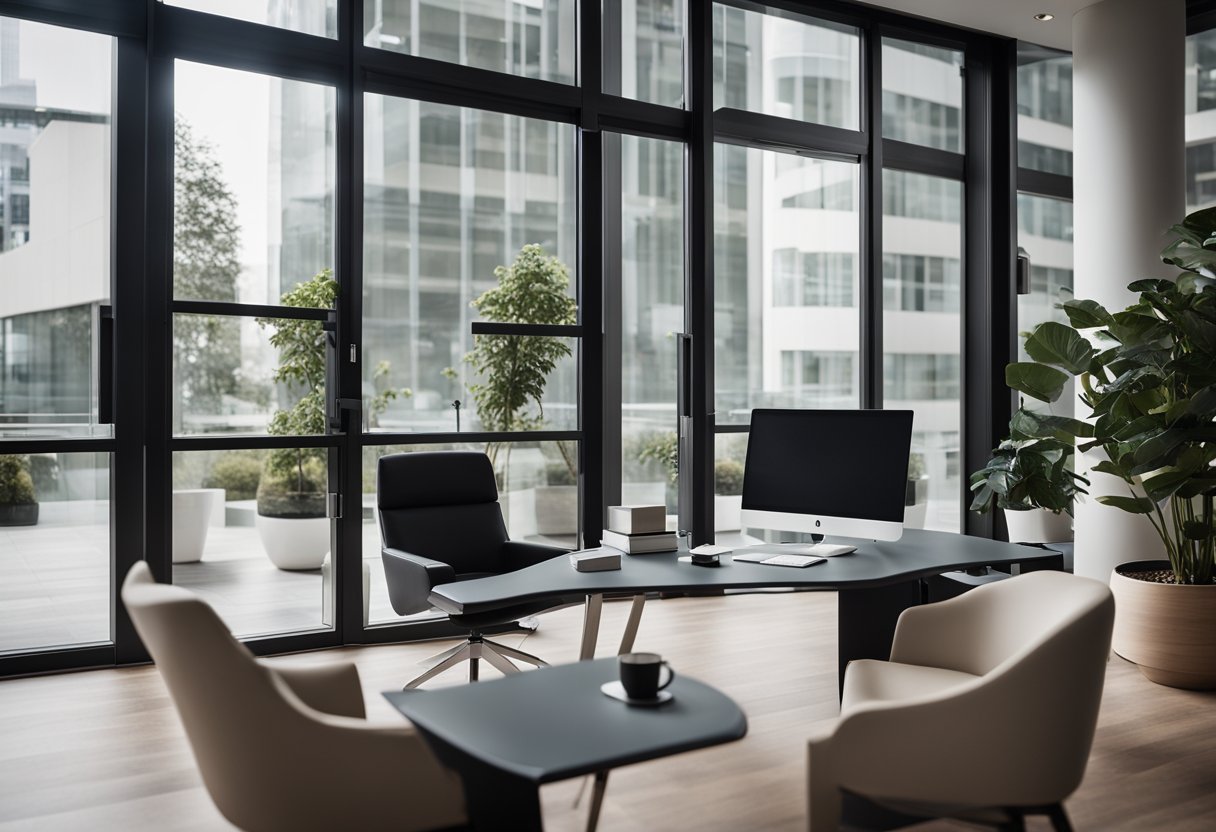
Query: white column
(1128, 187)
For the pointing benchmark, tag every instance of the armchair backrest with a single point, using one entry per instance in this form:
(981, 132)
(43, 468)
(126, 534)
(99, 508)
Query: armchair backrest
(442, 505)
(237, 716)
(1039, 643)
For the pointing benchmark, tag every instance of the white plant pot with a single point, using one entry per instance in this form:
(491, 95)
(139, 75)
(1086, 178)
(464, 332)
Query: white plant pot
(193, 510)
(294, 543)
(728, 512)
(1038, 525)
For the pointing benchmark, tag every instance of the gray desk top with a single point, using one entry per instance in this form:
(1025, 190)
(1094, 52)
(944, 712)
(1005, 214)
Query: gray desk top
(553, 723)
(917, 554)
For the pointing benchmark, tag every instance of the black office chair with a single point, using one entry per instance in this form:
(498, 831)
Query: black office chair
(440, 522)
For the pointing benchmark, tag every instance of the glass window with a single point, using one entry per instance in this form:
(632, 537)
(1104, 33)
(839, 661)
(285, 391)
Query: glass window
(922, 94)
(1045, 115)
(444, 219)
(533, 38)
(652, 312)
(784, 279)
(1045, 233)
(55, 93)
(54, 550)
(253, 189)
(787, 67)
(922, 327)
(1200, 93)
(312, 17)
(250, 535)
(252, 223)
(646, 62)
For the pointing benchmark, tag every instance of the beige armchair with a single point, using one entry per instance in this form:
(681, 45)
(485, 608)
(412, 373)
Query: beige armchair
(285, 748)
(986, 710)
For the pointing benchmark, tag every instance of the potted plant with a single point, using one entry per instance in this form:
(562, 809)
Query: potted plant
(291, 492)
(1148, 374)
(514, 370)
(664, 449)
(18, 504)
(1030, 477)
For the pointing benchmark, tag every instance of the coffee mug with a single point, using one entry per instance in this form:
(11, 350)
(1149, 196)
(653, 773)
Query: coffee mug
(640, 674)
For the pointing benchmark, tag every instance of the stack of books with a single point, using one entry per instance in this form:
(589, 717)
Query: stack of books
(639, 530)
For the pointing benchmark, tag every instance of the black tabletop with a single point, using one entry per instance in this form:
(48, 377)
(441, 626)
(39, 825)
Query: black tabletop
(917, 554)
(553, 723)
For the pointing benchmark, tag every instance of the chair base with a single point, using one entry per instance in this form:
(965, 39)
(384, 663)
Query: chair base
(473, 651)
(862, 813)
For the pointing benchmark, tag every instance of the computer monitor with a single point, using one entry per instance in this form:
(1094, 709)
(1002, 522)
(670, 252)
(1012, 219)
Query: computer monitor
(828, 472)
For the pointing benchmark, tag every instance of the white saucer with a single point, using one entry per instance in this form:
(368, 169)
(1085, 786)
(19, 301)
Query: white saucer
(617, 691)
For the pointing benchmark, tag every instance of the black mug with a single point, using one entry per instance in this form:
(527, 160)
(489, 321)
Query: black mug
(640, 674)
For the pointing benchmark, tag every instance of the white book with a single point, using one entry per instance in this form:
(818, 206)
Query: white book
(637, 519)
(640, 544)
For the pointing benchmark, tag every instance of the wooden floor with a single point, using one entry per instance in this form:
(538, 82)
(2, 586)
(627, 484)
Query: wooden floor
(103, 750)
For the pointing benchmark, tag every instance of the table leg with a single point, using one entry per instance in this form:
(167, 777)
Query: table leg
(866, 621)
(597, 800)
(631, 626)
(591, 626)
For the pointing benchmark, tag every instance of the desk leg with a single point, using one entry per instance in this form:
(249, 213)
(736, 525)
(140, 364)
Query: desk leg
(591, 626)
(631, 626)
(597, 800)
(866, 621)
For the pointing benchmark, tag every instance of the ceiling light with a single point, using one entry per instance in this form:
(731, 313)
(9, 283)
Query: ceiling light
(1044, 16)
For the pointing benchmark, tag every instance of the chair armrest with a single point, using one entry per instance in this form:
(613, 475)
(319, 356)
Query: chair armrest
(410, 579)
(331, 688)
(516, 554)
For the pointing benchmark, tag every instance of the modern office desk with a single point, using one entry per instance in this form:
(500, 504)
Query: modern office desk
(876, 583)
(508, 736)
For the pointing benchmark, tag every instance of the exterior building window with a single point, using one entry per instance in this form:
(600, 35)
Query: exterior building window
(910, 377)
(821, 375)
(813, 278)
(917, 283)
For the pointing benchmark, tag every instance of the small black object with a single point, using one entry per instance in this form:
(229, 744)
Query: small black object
(701, 559)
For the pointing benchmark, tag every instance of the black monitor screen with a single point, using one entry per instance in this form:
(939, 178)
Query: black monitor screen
(831, 463)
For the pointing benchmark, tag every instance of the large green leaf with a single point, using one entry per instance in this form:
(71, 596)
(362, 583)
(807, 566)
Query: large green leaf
(1027, 423)
(1036, 380)
(1191, 283)
(1135, 505)
(1167, 482)
(1061, 346)
(1086, 314)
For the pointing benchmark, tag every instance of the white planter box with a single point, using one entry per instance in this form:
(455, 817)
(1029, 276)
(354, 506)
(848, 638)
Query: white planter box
(728, 512)
(194, 511)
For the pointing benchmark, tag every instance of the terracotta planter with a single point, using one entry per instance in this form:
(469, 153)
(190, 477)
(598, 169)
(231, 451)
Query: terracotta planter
(1168, 630)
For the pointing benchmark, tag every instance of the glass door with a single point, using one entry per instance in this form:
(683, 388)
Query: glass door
(253, 302)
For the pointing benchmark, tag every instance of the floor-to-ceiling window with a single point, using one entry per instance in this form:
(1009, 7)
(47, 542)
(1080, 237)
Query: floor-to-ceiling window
(323, 208)
(55, 446)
